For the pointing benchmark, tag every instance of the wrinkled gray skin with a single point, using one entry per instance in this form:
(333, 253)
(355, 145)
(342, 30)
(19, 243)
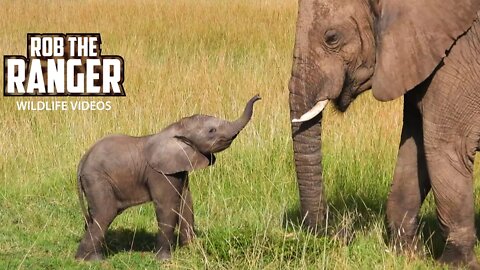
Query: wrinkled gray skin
(120, 171)
(427, 51)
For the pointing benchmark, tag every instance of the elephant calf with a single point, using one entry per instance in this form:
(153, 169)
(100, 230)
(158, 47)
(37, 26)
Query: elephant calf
(120, 171)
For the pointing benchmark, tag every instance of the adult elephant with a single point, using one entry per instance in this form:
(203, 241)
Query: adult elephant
(426, 50)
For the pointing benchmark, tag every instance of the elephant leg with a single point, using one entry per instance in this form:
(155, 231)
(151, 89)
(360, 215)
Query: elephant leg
(102, 210)
(411, 183)
(450, 168)
(165, 192)
(186, 218)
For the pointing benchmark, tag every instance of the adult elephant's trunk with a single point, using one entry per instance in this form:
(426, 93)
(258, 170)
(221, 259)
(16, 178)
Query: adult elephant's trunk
(307, 153)
(241, 122)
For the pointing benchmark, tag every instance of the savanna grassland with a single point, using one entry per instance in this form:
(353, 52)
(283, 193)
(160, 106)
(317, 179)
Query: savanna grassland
(185, 57)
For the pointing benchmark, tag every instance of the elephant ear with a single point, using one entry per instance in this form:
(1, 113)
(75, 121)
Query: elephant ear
(413, 36)
(170, 155)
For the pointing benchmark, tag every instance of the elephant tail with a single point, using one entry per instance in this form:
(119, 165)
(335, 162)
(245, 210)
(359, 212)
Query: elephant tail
(80, 192)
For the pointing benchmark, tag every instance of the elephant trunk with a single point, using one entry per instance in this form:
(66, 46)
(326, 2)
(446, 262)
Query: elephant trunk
(241, 122)
(307, 154)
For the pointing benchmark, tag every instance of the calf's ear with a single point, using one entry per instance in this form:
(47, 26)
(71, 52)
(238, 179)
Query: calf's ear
(413, 37)
(170, 155)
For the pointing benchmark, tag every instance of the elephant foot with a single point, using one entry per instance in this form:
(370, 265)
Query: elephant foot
(460, 264)
(455, 258)
(317, 229)
(186, 238)
(89, 256)
(164, 255)
(473, 265)
(408, 245)
(186, 241)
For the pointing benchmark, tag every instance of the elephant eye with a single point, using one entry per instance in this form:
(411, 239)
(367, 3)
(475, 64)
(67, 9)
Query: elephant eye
(332, 38)
(212, 130)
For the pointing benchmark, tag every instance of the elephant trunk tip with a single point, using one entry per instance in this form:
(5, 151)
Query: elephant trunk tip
(241, 122)
(255, 98)
(248, 111)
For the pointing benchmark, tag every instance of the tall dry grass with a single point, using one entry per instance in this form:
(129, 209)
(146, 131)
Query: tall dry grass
(185, 57)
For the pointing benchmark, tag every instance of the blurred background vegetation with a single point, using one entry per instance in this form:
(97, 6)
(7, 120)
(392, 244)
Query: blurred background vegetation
(181, 58)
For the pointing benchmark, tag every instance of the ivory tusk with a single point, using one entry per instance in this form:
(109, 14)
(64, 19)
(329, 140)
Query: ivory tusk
(318, 108)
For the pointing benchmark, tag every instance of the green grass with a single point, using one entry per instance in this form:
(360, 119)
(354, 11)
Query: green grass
(185, 57)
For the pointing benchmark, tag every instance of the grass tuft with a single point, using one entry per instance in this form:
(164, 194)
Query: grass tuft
(184, 57)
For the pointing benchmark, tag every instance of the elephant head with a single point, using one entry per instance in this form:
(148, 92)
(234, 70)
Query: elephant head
(190, 143)
(345, 47)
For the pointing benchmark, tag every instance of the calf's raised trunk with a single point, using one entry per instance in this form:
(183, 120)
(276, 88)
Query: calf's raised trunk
(241, 122)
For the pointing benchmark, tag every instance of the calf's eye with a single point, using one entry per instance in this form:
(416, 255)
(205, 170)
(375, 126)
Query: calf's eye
(212, 130)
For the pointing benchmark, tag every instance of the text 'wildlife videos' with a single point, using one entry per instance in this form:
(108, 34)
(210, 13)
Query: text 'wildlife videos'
(61, 105)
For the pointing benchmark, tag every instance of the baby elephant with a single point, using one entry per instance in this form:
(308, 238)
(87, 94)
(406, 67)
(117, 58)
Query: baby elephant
(120, 171)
